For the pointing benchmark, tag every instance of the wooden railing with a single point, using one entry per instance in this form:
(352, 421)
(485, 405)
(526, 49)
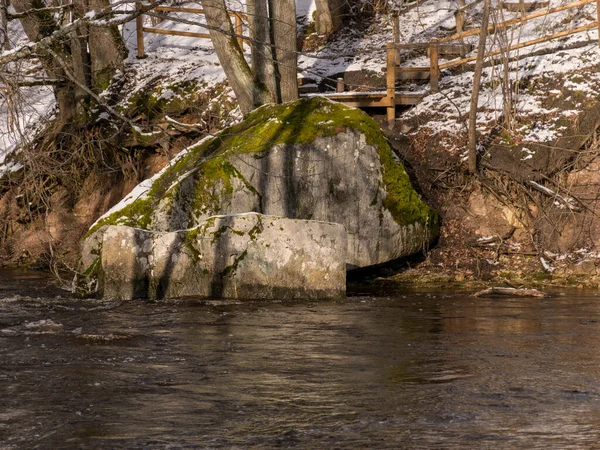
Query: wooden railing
(435, 47)
(523, 19)
(141, 29)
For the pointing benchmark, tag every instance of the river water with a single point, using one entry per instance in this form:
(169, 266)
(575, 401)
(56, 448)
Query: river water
(392, 370)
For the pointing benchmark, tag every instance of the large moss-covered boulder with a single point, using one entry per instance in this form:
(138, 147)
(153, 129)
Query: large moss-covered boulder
(240, 256)
(312, 159)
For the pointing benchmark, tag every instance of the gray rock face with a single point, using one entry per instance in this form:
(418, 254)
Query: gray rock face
(245, 256)
(335, 179)
(312, 160)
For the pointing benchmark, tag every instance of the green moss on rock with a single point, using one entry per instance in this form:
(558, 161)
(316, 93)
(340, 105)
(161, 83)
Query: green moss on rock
(295, 123)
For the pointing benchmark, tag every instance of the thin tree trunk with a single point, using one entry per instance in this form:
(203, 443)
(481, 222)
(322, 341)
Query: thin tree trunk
(262, 49)
(80, 58)
(106, 47)
(92, 55)
(249, 92)
(38, 25)
(284, 32)
(329, 17)
(472, 149)
(4, 42)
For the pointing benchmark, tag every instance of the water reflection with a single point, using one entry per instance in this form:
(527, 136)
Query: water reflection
(404, 371)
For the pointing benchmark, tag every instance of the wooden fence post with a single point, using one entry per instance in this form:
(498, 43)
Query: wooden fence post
(239, 30)
(434, 66)
(459, 17)
(598, 19)
(340, 85)
(139, 25)
(391, 84)
(396, 24)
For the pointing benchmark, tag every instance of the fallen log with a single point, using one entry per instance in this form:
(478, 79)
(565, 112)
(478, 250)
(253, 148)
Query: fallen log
(513, 292)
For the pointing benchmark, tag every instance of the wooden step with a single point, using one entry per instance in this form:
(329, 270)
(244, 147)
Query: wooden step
(406, 75)
(372, 99)
(526, 6)
(308, 88)
(303, 81)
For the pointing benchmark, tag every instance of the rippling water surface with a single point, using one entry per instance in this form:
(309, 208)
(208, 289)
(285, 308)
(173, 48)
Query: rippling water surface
(399, 370)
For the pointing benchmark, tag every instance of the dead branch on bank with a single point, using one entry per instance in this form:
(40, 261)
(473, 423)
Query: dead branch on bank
(510, 292)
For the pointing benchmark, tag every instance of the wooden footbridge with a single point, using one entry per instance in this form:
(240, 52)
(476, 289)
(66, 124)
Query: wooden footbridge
(452, 45)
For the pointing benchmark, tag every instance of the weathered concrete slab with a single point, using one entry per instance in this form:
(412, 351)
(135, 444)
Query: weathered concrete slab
(243, 256)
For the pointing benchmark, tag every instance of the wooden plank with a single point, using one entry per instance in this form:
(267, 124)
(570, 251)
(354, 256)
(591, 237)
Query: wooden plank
(413, 69)
(139, 29)
(195, 11)
(409, 99)
(425, 46)
(304, 81)
(176, 33)
(598, 19)
(521, 45)
(349, 95)
(501, 25)
(308, 89)
(372, 99)
(391, 84)
(364, 103)
(413, 75)
(434, 77)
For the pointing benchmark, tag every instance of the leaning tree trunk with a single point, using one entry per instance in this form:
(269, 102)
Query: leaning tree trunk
(472, 149)
(262, 48)
(249, 91)
(284, 34)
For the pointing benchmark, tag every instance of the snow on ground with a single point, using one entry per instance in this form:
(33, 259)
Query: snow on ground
(566, 57)
(22, 111)
(174, 58)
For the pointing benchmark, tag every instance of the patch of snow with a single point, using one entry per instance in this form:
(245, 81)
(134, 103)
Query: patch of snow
(546, 265)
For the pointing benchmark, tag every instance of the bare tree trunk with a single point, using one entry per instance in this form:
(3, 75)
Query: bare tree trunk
(262, 49)
(472, 149)
(93, 54)
(4, 42)
(107, 49)
(329, 17)
(249, 92)
(284, 33)
(80, 61)
(79, 53)
(38, 25)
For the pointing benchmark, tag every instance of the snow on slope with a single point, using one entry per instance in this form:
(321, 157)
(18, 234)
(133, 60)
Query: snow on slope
(174, 58)
(21, 112)
(566, 58)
